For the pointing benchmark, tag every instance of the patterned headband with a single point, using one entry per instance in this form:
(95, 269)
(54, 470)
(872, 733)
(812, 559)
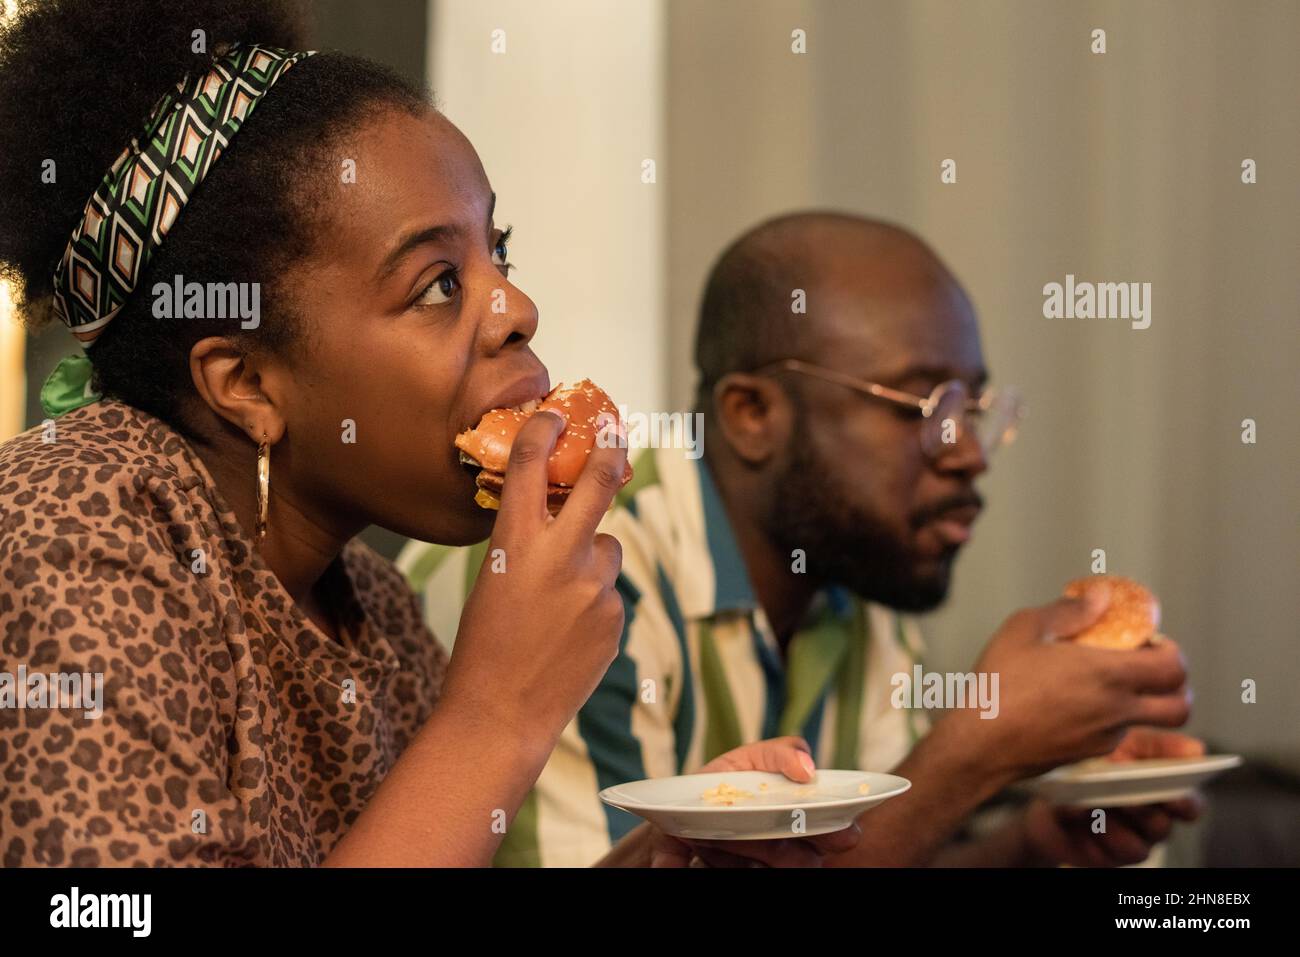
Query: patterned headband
(139, 199)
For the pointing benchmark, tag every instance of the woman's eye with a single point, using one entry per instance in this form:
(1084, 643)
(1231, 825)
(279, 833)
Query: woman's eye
(440, 290)
(501, 248)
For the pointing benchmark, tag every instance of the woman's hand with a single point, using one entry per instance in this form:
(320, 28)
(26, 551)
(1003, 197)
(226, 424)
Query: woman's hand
(789, 756)
(538, 631)
(542, 624)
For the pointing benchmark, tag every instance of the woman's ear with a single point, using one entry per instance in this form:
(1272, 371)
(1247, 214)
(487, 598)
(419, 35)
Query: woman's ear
(754, 415)
(227, 380)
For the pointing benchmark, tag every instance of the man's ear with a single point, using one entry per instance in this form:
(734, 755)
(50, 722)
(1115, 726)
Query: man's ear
(227, 380)
(754, 415)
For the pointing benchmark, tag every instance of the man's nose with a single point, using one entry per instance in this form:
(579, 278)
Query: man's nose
(964, 456)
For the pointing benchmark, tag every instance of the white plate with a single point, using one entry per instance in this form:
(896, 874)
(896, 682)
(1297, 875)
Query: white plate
(1102, 783)
(772, 806)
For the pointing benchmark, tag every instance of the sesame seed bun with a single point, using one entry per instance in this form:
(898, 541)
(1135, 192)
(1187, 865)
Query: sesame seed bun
(487, 446)
(1131, 620)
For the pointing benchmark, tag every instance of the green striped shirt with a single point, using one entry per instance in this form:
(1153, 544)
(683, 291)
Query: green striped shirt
(698, 672)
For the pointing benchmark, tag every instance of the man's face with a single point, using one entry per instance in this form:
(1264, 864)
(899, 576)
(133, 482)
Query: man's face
(869, 508)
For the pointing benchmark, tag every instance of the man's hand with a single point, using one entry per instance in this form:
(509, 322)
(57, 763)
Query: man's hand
(1058, 835)
(789, 756)
(1060, 702)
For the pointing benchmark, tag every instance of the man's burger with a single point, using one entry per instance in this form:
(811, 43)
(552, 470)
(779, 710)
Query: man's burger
(486, 447)
(1131, 619)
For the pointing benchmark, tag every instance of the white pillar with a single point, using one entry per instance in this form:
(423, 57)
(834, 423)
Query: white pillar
(13, 381)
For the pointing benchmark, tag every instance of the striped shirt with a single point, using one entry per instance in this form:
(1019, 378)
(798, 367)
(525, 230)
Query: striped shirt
(699, 670)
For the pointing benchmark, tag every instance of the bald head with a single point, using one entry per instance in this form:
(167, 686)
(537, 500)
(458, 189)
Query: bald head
(851, 270)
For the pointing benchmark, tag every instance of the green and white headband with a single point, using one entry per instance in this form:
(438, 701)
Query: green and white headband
(141, 196)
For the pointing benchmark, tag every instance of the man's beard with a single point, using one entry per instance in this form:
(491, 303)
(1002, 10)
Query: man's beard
(845, 545)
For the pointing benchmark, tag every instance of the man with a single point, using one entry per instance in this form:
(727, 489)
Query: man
(762, 583)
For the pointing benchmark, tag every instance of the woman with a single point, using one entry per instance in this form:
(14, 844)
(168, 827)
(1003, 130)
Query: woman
(286, 290)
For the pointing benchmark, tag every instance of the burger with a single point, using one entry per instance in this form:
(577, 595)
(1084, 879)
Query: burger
(485, 449)
(1131, 619)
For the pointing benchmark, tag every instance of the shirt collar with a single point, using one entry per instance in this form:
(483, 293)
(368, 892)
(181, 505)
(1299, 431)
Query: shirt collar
(731, 588)
(712, 577)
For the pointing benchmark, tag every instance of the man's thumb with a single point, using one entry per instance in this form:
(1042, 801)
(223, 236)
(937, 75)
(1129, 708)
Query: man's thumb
(1069, 616)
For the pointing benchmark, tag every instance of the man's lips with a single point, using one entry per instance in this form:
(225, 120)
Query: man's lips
(951, 522)
(961, 514)
(953, 526)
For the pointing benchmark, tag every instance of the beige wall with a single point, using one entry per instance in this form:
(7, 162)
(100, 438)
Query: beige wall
(1121, 167)
(562, 121)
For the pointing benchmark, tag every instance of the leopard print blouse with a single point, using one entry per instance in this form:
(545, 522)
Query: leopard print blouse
(233, 731)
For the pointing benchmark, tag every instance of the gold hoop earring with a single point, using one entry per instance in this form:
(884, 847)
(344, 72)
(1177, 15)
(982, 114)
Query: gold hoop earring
(263, 489)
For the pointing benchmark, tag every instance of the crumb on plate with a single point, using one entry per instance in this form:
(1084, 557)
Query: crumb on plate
(725, 795)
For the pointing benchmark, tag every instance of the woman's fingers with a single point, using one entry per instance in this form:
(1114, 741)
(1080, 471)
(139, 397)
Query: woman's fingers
(608, 552)
(523, 499)
(596, 487)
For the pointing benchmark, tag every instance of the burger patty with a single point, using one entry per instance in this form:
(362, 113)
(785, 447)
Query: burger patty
(494, 482)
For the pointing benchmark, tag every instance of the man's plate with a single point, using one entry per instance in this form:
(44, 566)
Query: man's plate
(1102, 783)
(754, 805)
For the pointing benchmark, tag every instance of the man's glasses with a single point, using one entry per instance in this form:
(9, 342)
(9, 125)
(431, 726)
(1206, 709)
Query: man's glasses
(993, 416)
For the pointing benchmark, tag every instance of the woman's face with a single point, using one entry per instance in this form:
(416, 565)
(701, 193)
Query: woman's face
(412, 331)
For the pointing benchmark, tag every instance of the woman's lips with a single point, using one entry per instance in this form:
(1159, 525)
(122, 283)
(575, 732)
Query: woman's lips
(532, 388)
